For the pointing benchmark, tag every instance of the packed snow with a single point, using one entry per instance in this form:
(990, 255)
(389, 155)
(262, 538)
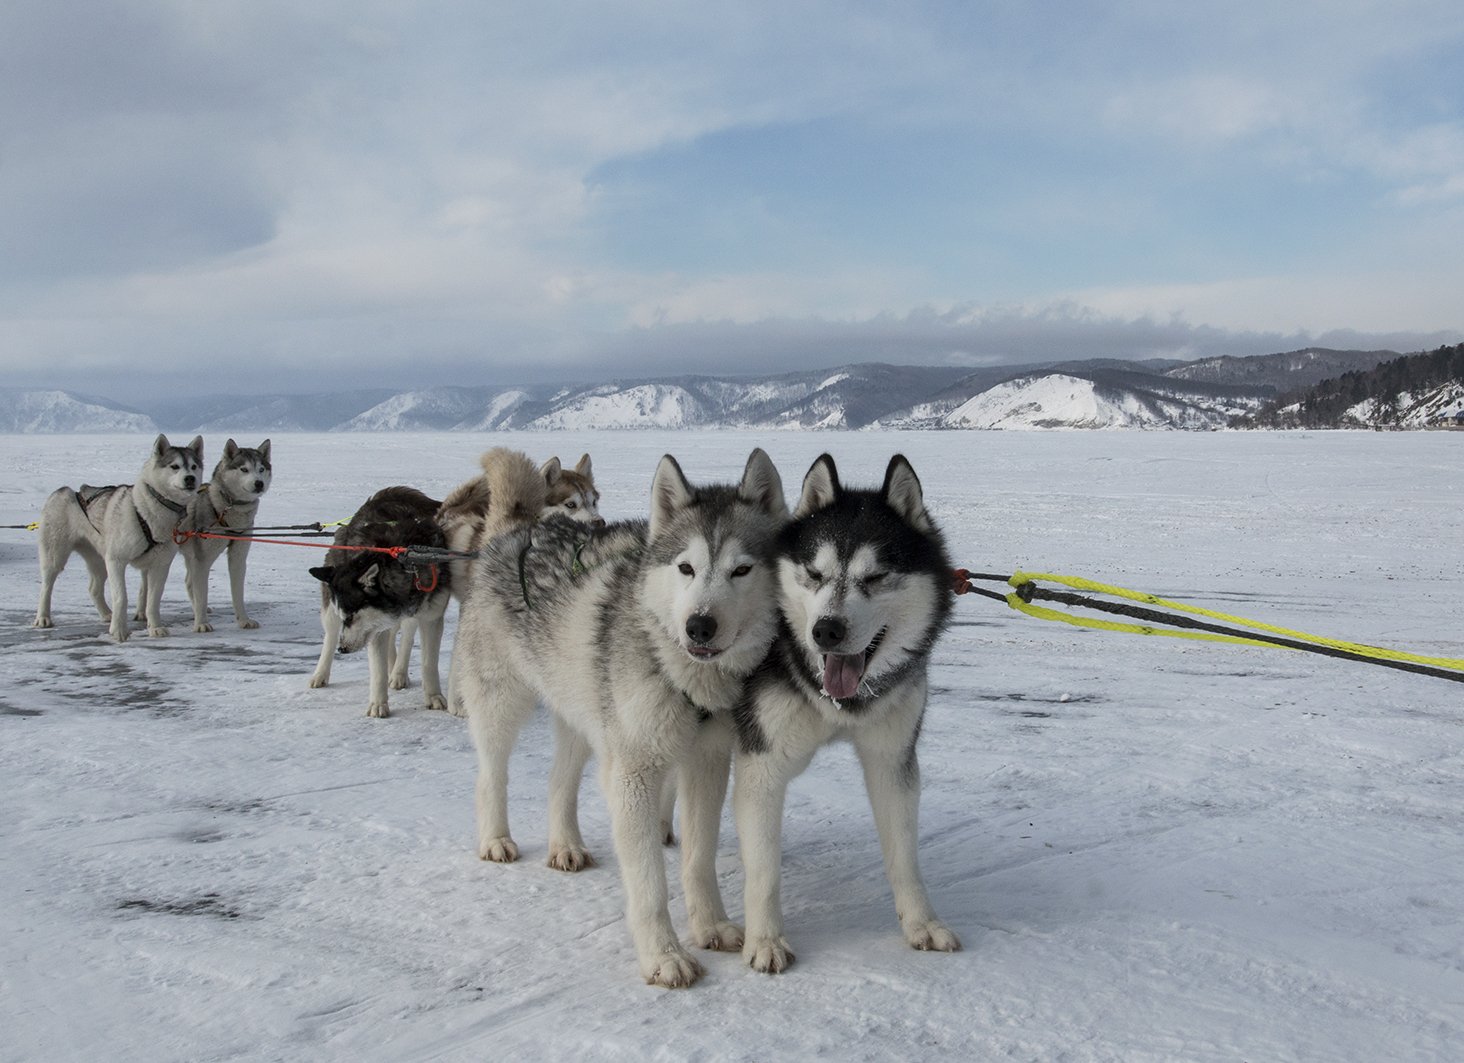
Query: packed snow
(1152, 849)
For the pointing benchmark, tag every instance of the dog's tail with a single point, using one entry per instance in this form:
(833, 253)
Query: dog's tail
(516, 487)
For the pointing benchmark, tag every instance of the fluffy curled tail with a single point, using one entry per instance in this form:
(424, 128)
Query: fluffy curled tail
(517, 488)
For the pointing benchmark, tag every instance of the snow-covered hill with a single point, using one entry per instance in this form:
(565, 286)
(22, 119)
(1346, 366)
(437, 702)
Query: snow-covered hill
(61, 411)
(1057, 400)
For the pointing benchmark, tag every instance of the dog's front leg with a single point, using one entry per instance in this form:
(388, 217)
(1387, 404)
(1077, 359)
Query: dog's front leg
(567, 851)
(330, 626)
(892, 776)
(117, 585)
(238, 561)
(154, 579)
(758, 794)
(195, 581)
(431, 627)
(633, 792)
(378, 655)
(703, 789)
(142, 584)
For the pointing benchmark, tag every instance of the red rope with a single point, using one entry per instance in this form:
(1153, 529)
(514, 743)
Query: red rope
(180, 537)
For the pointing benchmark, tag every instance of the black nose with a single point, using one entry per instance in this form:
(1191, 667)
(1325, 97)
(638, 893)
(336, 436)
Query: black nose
(701, 628)
(190, 481)
(829, 631)
(598, 522)
(258, 486)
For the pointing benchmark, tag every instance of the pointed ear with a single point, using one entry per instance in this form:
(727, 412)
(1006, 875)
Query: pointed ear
(322, 573)
(820, 487)
(901, 491)
(160, 444)
(551, 470)
(263, 449)
(670, 493)
(368, 578)
(197, 447)
(762, 486)
(230, 449)
(583, 467)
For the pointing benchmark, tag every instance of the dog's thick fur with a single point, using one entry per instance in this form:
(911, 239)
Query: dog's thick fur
(365, 594)
(864, 590)
(468, 519)
(113, 527)
(639, 637)
(227, 505)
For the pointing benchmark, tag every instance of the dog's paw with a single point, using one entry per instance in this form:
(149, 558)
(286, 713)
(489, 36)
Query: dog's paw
(378, 710)
(437, 703)
(458, 709)
(768, 955)
(932, 936)
(674, 969)
(43, 621)
(499, 850)
(157, 632)
(721, 936)
(140, 615)
(246, 624)
(317, 681)
(120, 634)
(203, 628)
(398, 680)
(570, 857)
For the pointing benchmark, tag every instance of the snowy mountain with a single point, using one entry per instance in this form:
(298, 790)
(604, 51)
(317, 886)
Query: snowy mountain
(1093, 393)
(62, 411)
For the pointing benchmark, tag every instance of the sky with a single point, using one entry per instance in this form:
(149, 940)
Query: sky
(259, 197)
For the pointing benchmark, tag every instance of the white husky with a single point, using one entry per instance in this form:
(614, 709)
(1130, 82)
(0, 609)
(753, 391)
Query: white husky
(113, 527)
(640, 638)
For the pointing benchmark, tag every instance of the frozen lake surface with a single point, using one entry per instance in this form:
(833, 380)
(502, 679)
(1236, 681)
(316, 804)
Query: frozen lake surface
(1152, 849)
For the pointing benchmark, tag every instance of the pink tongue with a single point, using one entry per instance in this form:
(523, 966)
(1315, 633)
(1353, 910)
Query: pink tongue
(842, 672)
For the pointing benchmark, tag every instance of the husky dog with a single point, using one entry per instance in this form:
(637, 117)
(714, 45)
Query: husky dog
(113, 527)
(639, 637)
(864, 590)
(365, 594)
(465, 517)
(227, 504)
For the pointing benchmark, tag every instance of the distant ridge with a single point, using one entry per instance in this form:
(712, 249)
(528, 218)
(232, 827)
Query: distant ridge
(1095, 393)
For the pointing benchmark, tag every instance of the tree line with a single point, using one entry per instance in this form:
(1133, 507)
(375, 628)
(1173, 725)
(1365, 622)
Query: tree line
(1324, 405)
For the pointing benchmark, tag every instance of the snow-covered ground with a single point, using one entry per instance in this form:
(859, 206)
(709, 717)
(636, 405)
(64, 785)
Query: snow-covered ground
(1152, 849)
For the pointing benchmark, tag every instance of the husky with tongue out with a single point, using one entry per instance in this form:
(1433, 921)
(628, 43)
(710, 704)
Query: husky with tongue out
(864, 590)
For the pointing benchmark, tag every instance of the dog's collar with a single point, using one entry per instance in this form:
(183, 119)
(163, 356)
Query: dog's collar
(168, 503)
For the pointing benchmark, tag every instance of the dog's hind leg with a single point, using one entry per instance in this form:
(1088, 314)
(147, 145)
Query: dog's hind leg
(117, 585)
(703, 774)
(141, 613)
(567, 850)
(151, 597)
(378, 655)
(892, 776)
(431, 650)
(330, 624)
(401, 656)
(497, 707)
(195, 580)
(53, 561)
(96, 580)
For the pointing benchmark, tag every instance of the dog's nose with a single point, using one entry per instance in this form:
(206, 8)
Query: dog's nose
(701, 628)
(258, 487)
(598, 522)
(829, 631)
(190, 482)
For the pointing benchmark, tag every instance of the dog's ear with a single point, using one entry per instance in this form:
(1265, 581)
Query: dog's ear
(820, 487)
(583, 467)
(670, 493)
(160, 445)
(369, 578)
(901, 491)
(762, 486)
(322, 573)
(197, 447)
(263, 449)
(230, 449)
(551, 471)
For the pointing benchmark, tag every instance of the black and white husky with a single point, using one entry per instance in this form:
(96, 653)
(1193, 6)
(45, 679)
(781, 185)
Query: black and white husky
(639, 637)
(226, 505)
(120, 525)
(864, 589)
(366, 594)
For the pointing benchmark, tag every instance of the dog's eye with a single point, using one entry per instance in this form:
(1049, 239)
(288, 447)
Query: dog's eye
(685, 569)
(813, 574)
(741, 570)
(874, 578)
(571, 504)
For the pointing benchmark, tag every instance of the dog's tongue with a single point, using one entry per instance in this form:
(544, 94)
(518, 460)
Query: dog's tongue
(842, 672)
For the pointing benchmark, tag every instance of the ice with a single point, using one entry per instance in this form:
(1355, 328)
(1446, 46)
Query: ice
(1152, 849)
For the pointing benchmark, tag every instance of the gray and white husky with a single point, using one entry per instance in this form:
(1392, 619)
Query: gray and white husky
(366, 594)
(865, 590)
(227, 504)
(639, 637)
(120, 525)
